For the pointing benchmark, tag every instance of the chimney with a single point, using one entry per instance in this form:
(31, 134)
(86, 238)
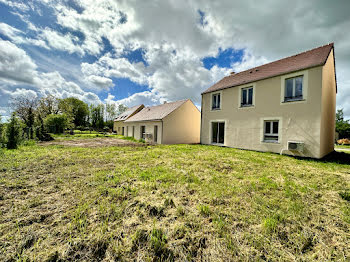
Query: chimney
(232, 73)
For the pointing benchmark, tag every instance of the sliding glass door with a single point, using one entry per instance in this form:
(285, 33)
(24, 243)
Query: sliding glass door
(218, 132)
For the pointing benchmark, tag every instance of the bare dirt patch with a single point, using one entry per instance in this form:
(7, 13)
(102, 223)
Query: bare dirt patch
(95, 142)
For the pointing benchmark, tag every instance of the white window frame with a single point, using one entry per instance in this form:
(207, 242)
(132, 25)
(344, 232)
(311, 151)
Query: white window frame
(210, 131)
(262, 128)
(211, 101)
(251, 85)
(305, 75)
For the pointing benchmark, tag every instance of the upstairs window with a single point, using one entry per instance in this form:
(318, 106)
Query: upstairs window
(247, 96)
(216, 102)
(293, 89)
(271, 131)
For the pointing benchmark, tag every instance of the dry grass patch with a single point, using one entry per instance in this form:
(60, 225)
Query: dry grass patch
(165, 203)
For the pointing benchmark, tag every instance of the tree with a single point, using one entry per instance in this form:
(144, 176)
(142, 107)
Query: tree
(111, 112)
(76, 110)
(47, 105)
(1, 133)
(97, 113)
(342, 126)
(13, 132)
(40, 130)
(25, 107)
(56, 123)
(122, 108)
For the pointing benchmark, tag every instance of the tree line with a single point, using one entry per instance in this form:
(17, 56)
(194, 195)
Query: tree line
(34, 118)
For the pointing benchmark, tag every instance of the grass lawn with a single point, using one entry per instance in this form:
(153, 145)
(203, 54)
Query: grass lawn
(342, 147)
(181, 202)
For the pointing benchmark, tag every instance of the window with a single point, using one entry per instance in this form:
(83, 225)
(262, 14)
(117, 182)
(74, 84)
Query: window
(155, 133)
(218, 132)
(142, 132)
(133, 131)
(216, 102)
(123, 131)
(293, 89)
(247, 96)
(271, 131)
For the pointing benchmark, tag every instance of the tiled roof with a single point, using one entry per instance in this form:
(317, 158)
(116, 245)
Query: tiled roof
(308, 59)
(156, 112)
(125, 115)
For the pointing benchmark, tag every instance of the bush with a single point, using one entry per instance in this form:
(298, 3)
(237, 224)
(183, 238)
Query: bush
(13, 132)
(56, 123)
(344, 141)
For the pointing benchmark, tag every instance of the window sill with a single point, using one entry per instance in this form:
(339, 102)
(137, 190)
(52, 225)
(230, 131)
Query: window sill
(270, 142)
(247, 106)
(215, 109)
(291, 101)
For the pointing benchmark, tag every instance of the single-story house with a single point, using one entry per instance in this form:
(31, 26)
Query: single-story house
(169, 123)
(118, 126)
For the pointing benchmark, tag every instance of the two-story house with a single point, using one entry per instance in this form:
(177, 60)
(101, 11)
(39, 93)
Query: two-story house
(287, 106)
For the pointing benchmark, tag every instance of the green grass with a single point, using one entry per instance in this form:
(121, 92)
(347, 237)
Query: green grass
(180, 202)
(342, 146)
(93, 134)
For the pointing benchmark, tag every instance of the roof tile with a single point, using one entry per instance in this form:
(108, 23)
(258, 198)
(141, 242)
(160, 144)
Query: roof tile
(308, 59)
(156, 112)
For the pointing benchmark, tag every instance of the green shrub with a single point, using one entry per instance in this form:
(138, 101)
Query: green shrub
(13, 132)
(56, 123)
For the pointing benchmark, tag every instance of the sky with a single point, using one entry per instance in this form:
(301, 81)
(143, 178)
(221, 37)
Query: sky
(134, 51)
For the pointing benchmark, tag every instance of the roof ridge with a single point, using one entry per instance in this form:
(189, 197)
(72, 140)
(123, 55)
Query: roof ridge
(182, 100)
(252, 68)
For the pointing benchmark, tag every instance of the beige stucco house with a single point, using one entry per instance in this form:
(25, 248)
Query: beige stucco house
(170, 123)
(287, 106)
(118, 125)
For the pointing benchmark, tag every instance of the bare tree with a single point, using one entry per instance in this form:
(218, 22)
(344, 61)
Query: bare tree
(25, 107)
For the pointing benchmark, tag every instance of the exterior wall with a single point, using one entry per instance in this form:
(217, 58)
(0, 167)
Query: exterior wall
(328, 106)
(298, 121)
(149, 129)
(117, 125)
(182, 126)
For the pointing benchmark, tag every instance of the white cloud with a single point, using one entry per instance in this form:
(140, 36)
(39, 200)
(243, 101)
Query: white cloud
(102, 82)
(62, 42)
(19, 76)
(15, 64)
(174, 41)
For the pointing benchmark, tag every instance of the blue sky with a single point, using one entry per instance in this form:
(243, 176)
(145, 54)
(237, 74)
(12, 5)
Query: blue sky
(121, 52)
